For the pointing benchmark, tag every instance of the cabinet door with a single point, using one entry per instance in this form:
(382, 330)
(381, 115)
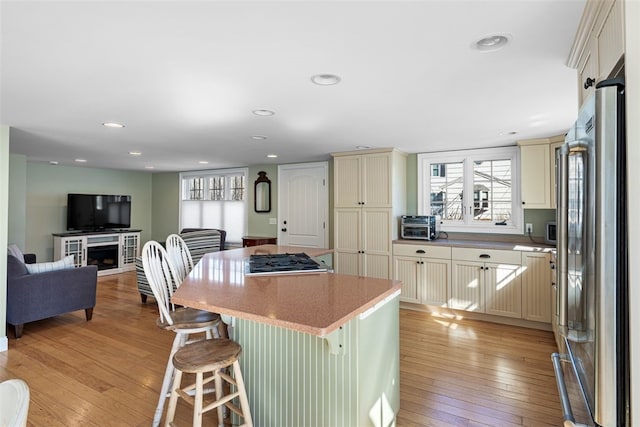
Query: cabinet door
(76, 246)
(376, 243)
(347, 263)
(503, 290)
(536, 287)
(536, 176)
(375, 265)
(346, 188)
(129, 246)
(435, 280)
(466, 291)
(406, 270)
(588, 69)
(610, 40)
(376, 180)
(347, 240)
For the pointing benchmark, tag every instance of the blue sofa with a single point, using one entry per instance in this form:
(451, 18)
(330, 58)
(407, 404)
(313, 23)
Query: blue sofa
(32, 297)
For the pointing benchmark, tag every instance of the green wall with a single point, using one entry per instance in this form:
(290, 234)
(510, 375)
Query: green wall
(258, 223)
(17, 200)
(47, 187)
(165, 205)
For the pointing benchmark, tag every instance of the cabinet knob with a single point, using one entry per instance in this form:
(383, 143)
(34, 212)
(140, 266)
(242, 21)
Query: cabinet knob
(589, 82)
(485, 256)
(420, 251)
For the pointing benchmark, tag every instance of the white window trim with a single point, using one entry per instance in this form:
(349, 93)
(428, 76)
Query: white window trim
(216, 172)
(424, 180)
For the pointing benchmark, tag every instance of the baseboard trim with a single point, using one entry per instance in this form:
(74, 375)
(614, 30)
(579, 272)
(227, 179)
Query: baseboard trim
(451, 313)
(4, 344)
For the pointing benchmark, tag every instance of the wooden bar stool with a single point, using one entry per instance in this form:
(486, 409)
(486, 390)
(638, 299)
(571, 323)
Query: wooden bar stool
(209, 356)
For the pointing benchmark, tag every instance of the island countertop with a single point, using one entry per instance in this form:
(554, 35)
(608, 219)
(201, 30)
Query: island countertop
(314, 303)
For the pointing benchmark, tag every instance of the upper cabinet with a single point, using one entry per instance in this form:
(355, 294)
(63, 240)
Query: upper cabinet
(537, 169)
(599, 44)
(365, 180)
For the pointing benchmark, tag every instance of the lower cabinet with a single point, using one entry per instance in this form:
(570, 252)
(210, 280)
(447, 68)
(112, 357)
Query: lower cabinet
(425, 272)
(536, 286)
(508, 283)
(486, 281)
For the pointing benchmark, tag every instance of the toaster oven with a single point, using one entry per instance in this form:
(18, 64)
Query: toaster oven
(419, 227)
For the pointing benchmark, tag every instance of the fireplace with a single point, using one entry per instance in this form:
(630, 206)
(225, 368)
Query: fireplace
(105, 257)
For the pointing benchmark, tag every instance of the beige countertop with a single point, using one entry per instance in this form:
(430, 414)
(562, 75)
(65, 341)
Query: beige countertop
(527, 246)
(314, 303)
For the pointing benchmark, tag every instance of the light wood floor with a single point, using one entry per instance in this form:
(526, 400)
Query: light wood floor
(108, 371)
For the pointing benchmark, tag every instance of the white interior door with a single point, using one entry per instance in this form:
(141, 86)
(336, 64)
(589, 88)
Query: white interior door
(303, 205)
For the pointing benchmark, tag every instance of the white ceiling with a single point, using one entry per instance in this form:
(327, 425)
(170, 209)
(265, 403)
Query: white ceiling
(184, 78)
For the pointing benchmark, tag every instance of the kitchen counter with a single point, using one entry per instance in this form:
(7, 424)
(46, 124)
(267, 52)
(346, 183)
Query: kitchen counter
(317, 348)
(314, 303)
(481, 244)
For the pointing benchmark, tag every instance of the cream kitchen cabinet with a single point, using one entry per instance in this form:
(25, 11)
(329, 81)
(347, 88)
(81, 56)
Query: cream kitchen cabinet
(599, 44)
(425, 273)
(486, 281)
(365, 180)
(363, 242)
(537, 172)
(369, 196)
(112, 252)
(536, 286)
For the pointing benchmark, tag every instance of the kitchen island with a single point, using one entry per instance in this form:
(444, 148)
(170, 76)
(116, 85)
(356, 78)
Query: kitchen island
(319, 349)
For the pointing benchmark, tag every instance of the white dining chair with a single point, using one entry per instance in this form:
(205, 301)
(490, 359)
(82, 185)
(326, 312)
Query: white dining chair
(183, 321)
(14, 403)
(179, 255)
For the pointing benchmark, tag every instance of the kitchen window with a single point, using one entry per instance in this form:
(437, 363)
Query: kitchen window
(215, 199)
(472, 190)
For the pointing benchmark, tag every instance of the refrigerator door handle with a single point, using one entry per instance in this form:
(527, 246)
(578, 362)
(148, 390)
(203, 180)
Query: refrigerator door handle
(562, 250)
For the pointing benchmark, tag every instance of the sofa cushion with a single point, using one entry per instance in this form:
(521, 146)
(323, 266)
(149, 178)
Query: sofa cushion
(15, 267)
(65, 263)
(14, 250)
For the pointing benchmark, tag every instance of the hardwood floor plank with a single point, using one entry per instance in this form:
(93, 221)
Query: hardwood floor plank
(453, 372)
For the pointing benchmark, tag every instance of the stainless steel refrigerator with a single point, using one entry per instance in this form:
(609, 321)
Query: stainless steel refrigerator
(592, 311)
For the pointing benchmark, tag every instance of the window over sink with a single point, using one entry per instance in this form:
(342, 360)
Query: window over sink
(472, 190)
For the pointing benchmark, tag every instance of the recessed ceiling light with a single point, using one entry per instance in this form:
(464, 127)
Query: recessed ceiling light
(203, 162)
(258, 137)
(135, 153)
(326, 79)
(81, 160)
(272, 156)
(363, 147)
(263, 112)
(113, 125)
(149, 167)
(53, 162)
(506, 133)
(492, 43)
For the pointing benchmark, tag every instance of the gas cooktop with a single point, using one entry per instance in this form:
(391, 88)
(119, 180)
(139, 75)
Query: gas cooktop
(283, 264)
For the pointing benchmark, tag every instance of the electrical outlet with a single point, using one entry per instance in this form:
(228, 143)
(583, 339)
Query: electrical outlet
(273, 221)
(529, 228)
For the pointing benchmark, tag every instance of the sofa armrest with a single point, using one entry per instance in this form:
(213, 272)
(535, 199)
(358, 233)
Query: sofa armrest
(33, 297)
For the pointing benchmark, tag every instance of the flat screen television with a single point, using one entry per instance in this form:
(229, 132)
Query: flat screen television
(98, 212)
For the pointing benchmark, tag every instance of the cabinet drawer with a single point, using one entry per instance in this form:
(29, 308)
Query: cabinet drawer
(494, 255)
(426, 251)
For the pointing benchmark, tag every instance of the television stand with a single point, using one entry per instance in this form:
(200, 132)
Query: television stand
(113, 251)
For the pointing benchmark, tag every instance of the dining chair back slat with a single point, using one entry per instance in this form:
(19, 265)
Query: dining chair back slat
(162, 278)
(179, 255)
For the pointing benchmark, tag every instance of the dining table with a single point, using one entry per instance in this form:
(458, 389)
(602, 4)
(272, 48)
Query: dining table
(319, 348)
